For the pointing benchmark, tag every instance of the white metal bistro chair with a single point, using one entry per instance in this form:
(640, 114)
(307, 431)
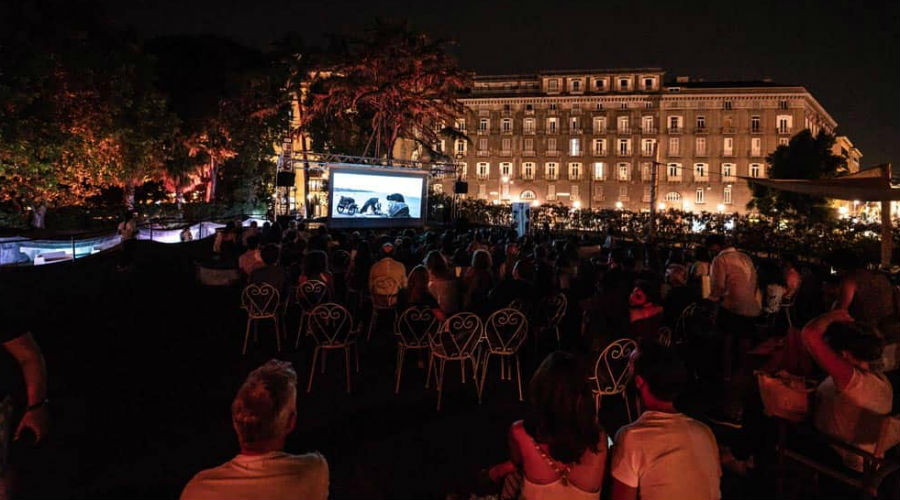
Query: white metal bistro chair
(612, 372)
(309, 295)
(381, 301)
(504, 332)
(261, 302)
(548, 315)
(331, 327)
(414, 328)
(456, 340)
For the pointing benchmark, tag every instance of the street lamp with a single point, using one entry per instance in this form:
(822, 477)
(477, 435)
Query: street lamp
(660, 206)
(619, 205)
(720, 207)
(576, 205)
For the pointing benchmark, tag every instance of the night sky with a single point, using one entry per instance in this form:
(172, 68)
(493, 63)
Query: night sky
(846, 53)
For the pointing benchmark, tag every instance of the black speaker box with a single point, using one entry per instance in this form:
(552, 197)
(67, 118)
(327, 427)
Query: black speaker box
(285, 179)
(461, 187)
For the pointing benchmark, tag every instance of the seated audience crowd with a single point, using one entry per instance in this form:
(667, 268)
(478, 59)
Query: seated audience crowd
(714, 300)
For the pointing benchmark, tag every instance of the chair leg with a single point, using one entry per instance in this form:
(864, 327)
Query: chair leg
(462, 370)
(372, 322)
(324, 358)
(627, 406)
(356, 353)
(277, 334)
(398, 372)
(347, 363)
(439, 373)
(430, 368)
(502, 367)
(558, 339)
(246, 336)
(312, 368)
(299, 331)
(256, 331)
(484, 369)
(519, 375)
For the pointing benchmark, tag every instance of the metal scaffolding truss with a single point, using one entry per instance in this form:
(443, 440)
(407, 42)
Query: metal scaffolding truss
(316, 159)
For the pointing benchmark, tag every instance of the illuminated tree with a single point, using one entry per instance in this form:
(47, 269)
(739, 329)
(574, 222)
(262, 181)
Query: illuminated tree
(395, 83)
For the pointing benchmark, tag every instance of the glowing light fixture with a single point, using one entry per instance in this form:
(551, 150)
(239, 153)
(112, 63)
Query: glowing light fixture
(619, 205)
(660, 206)
(576, 205)
(720, 207)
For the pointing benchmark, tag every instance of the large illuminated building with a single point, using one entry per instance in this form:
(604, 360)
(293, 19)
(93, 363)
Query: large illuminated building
(588, 138)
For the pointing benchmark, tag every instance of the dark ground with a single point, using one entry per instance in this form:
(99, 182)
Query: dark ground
(143, 367)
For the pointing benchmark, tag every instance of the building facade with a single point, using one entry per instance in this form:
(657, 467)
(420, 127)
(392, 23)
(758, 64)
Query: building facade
(591, 139)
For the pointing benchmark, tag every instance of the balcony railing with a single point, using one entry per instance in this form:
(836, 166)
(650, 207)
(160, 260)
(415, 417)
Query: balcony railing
(551, 153)
(675, 130)
(701, 130)
(576, 153)
(527, 177)
(782, 130)
(482, 177)
(728, 130)
(483, 131)
(647, 153)
(507, 131)
(648, 130)
(528, 153)
(575, 131)
(506, 153)
(551, 177)
(624, 131)
(701, 152)
(754, 154)
(551, 131)
(627, 152)
(483, 152)
(600, 152)
(729, 178)
(600, 131)
(727, 153)
(576, 177)
(528, 131)
(755, 130)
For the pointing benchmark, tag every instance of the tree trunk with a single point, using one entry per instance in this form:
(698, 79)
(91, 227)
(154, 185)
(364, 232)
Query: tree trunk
(211, 184)
(129, 195)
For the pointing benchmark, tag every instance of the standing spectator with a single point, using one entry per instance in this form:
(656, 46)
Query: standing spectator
(23, 355)
(664, 453)
(699, 271)
(263, 414)
(270, 273)
(39, 216)
(387, 267)
(250, 260)
(734, 288)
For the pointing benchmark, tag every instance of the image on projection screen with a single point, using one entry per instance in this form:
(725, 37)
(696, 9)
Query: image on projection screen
(365, 196)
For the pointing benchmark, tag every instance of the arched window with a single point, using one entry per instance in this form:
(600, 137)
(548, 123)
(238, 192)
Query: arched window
(527, 195)
(673, 196)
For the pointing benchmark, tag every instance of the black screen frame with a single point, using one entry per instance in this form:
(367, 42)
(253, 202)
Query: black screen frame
(351, 223)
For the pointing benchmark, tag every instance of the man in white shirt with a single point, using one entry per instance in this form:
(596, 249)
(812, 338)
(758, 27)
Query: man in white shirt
(664, 453)
(263, 413)
(734, 288)
(379, 284)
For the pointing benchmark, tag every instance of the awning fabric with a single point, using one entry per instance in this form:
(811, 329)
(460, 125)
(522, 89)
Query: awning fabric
(872, 184)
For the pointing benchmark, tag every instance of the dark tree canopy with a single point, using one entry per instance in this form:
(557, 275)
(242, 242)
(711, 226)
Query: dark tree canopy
(805, 157)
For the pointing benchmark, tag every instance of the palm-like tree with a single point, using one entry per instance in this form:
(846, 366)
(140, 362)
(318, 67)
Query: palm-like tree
(400, 83)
